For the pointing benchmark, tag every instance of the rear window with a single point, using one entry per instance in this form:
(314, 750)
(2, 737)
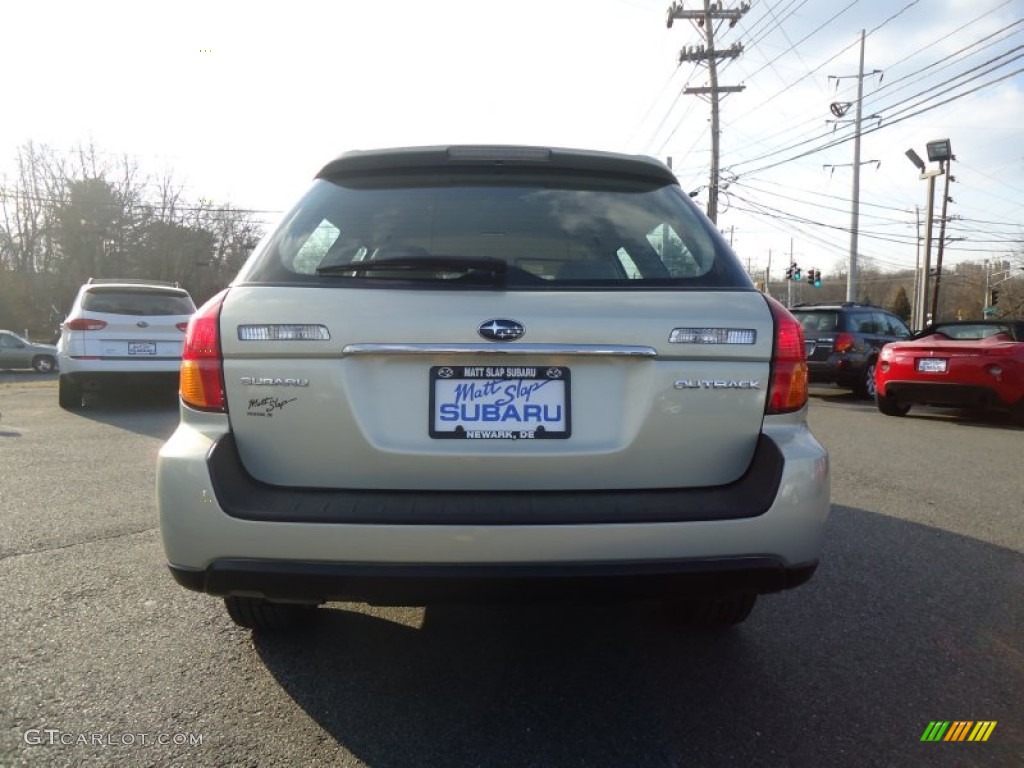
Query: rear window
(818, 322)
(515, 231)
(137, 301)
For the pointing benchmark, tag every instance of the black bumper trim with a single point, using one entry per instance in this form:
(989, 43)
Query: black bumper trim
(943, 394)
(243, 497)
(418, 585)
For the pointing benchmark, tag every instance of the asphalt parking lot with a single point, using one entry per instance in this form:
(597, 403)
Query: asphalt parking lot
(914, 616)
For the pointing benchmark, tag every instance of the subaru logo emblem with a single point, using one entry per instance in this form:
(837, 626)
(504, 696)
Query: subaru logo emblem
(501, 330)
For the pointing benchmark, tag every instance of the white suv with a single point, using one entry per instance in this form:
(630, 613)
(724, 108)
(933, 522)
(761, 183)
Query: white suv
(462, 373)
(121, 331)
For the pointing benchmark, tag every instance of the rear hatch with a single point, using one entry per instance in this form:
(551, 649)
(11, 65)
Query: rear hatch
(140, 323)
(495, 318)
(600, 397)
(821, 328)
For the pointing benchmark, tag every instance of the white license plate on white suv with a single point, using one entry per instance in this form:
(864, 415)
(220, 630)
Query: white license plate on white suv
(141, 347)
(499, 402)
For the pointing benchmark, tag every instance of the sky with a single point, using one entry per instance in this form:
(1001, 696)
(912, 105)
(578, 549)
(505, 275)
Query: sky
(244, 101)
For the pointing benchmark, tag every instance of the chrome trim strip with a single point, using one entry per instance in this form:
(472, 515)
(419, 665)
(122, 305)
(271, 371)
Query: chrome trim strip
(586, 350)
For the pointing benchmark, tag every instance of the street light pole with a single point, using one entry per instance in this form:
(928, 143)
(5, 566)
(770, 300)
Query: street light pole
(942, 240)
(926, 260)
(937, 151)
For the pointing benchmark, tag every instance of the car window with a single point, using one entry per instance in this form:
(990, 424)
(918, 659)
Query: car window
(8, 340)
(543, 231)
(136, 301)
(815, 322)
(893, 326)
(863, 322)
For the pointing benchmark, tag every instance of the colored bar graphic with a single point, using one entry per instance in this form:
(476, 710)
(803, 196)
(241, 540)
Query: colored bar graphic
(958, 730)
(982, 731)
(935, 731)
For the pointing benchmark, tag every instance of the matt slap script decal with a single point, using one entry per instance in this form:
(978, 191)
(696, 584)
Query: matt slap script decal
(267, 406)
(499, 402)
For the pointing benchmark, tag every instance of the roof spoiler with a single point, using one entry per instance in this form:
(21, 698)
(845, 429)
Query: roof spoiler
(130, 281)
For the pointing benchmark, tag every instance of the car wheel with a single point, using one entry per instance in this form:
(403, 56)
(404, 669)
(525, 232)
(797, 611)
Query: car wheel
(715, 612)
(890, 406)
(259, 613)
(865, 388)
(69, 394)
(44, 363)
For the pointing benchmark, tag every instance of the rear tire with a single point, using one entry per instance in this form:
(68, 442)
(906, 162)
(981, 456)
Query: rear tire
(865, 388)
(715, 612)
(259, 613)
(69, 394)
(44, 363)
(891, 407)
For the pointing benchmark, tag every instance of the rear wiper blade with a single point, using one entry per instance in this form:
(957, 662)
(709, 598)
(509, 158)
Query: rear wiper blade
(415, 263)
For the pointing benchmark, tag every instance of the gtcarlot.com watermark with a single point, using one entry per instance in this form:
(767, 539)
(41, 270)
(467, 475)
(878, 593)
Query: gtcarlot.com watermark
(56, 737)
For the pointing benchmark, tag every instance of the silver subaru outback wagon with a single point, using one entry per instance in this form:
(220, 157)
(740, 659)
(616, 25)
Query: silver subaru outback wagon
(485, 373)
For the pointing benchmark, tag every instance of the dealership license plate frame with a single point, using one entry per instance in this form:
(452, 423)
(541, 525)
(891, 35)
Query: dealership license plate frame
(932, 365)
(491, 383)
(142, 348)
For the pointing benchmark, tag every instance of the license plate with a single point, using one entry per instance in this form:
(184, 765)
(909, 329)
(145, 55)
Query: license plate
(141, 347)
(474, 402)
(931, 365)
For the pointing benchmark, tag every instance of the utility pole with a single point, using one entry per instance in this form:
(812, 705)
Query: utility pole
(839, 109)
(851, 275)
(712, 12)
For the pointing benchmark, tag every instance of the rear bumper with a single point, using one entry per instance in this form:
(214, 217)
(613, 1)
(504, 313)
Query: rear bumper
(226, 534)
(838, 369)
(416, 585)
(941, 393)
(88, 379)
(94, 368)
(242, 497)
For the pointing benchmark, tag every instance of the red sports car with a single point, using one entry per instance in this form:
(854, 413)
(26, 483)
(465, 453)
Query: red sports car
(965, 364)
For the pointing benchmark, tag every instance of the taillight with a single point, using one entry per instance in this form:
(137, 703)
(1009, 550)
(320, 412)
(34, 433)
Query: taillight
(844, 342)
(84, 324)
(202, 367)
(788, 389)
(181, 326)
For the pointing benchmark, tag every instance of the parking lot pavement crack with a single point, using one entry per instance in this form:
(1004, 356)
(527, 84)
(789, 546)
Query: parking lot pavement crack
(59, 547)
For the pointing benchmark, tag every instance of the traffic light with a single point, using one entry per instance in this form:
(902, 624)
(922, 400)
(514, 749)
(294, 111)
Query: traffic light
(789, 271)
(816, 278)
(797, 274)
(995, 295)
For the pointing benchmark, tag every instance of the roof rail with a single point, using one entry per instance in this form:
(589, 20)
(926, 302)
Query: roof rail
(130, 281)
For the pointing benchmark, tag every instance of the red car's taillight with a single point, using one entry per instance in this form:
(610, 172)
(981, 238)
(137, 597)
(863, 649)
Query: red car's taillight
(202, 367)
(84, 324)
(844, 342)
(788, 389)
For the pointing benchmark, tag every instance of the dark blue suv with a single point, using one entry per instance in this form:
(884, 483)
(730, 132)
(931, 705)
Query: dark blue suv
(843, 342)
